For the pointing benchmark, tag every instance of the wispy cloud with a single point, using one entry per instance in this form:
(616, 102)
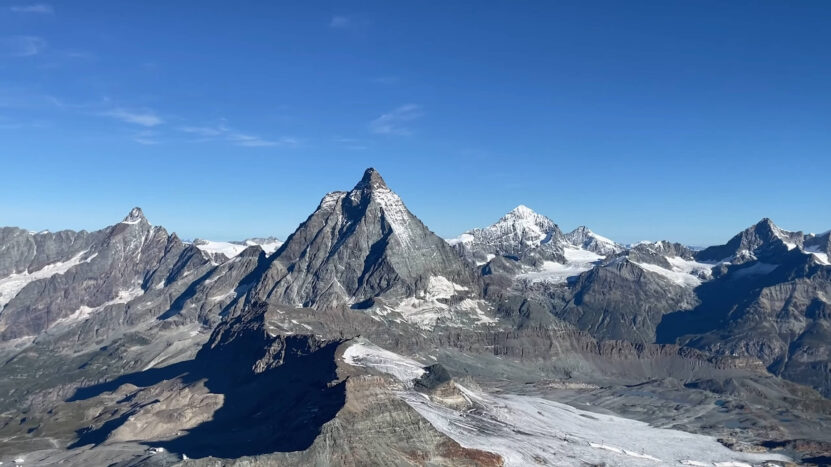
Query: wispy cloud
(222, 132)
(36, 8)
(241, 139)
(21, 46)
(7, 123)
(349, 22)
(21, 97)
(142, 117)
(396, 122)
(146, 137)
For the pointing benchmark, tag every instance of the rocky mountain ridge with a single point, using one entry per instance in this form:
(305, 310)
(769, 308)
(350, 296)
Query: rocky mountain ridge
(154, 338)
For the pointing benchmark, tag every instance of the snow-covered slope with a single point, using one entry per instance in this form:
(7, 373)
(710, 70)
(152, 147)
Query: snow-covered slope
(527, 430)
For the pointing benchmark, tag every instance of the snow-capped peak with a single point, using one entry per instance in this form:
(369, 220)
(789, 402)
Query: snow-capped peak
(525, 222)
(522, 211)
(583, 237)
(515, 234)
(582, 234)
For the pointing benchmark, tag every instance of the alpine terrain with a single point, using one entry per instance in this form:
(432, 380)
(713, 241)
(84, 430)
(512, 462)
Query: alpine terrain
(366, 339)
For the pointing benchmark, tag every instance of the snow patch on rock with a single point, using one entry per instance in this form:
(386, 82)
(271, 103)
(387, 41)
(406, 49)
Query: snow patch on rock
(578, 262)
(368, 355)
(82, 313)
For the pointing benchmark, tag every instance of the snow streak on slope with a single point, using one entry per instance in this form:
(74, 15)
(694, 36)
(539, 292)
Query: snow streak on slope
(12, 284)
(82, 313)
(395, 213)
(525, 430)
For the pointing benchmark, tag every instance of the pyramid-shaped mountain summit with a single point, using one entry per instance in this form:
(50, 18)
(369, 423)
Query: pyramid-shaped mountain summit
(359, 245)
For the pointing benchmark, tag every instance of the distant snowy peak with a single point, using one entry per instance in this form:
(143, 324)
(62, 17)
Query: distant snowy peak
(583, 237)
(521, 224)
(525, 224)
(268, 244)
(521, 234)
(220, 251)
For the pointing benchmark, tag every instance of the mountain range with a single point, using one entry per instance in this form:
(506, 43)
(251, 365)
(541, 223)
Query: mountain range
(366, 339)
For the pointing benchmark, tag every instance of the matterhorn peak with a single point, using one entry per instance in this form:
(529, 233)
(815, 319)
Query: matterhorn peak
(371, 180)
(135, 216)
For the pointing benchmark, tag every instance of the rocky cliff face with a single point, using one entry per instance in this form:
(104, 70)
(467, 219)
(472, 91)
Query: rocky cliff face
(115, 266)
(621, 300)
(129, 276)
(359, 246)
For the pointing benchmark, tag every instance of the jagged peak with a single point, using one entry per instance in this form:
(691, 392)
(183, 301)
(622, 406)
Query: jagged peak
(584, 237)
(581, 230)
(371, 180)
(135, 216)
(766, 222)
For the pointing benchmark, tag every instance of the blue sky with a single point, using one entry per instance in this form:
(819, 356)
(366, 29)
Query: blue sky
(643, 120)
